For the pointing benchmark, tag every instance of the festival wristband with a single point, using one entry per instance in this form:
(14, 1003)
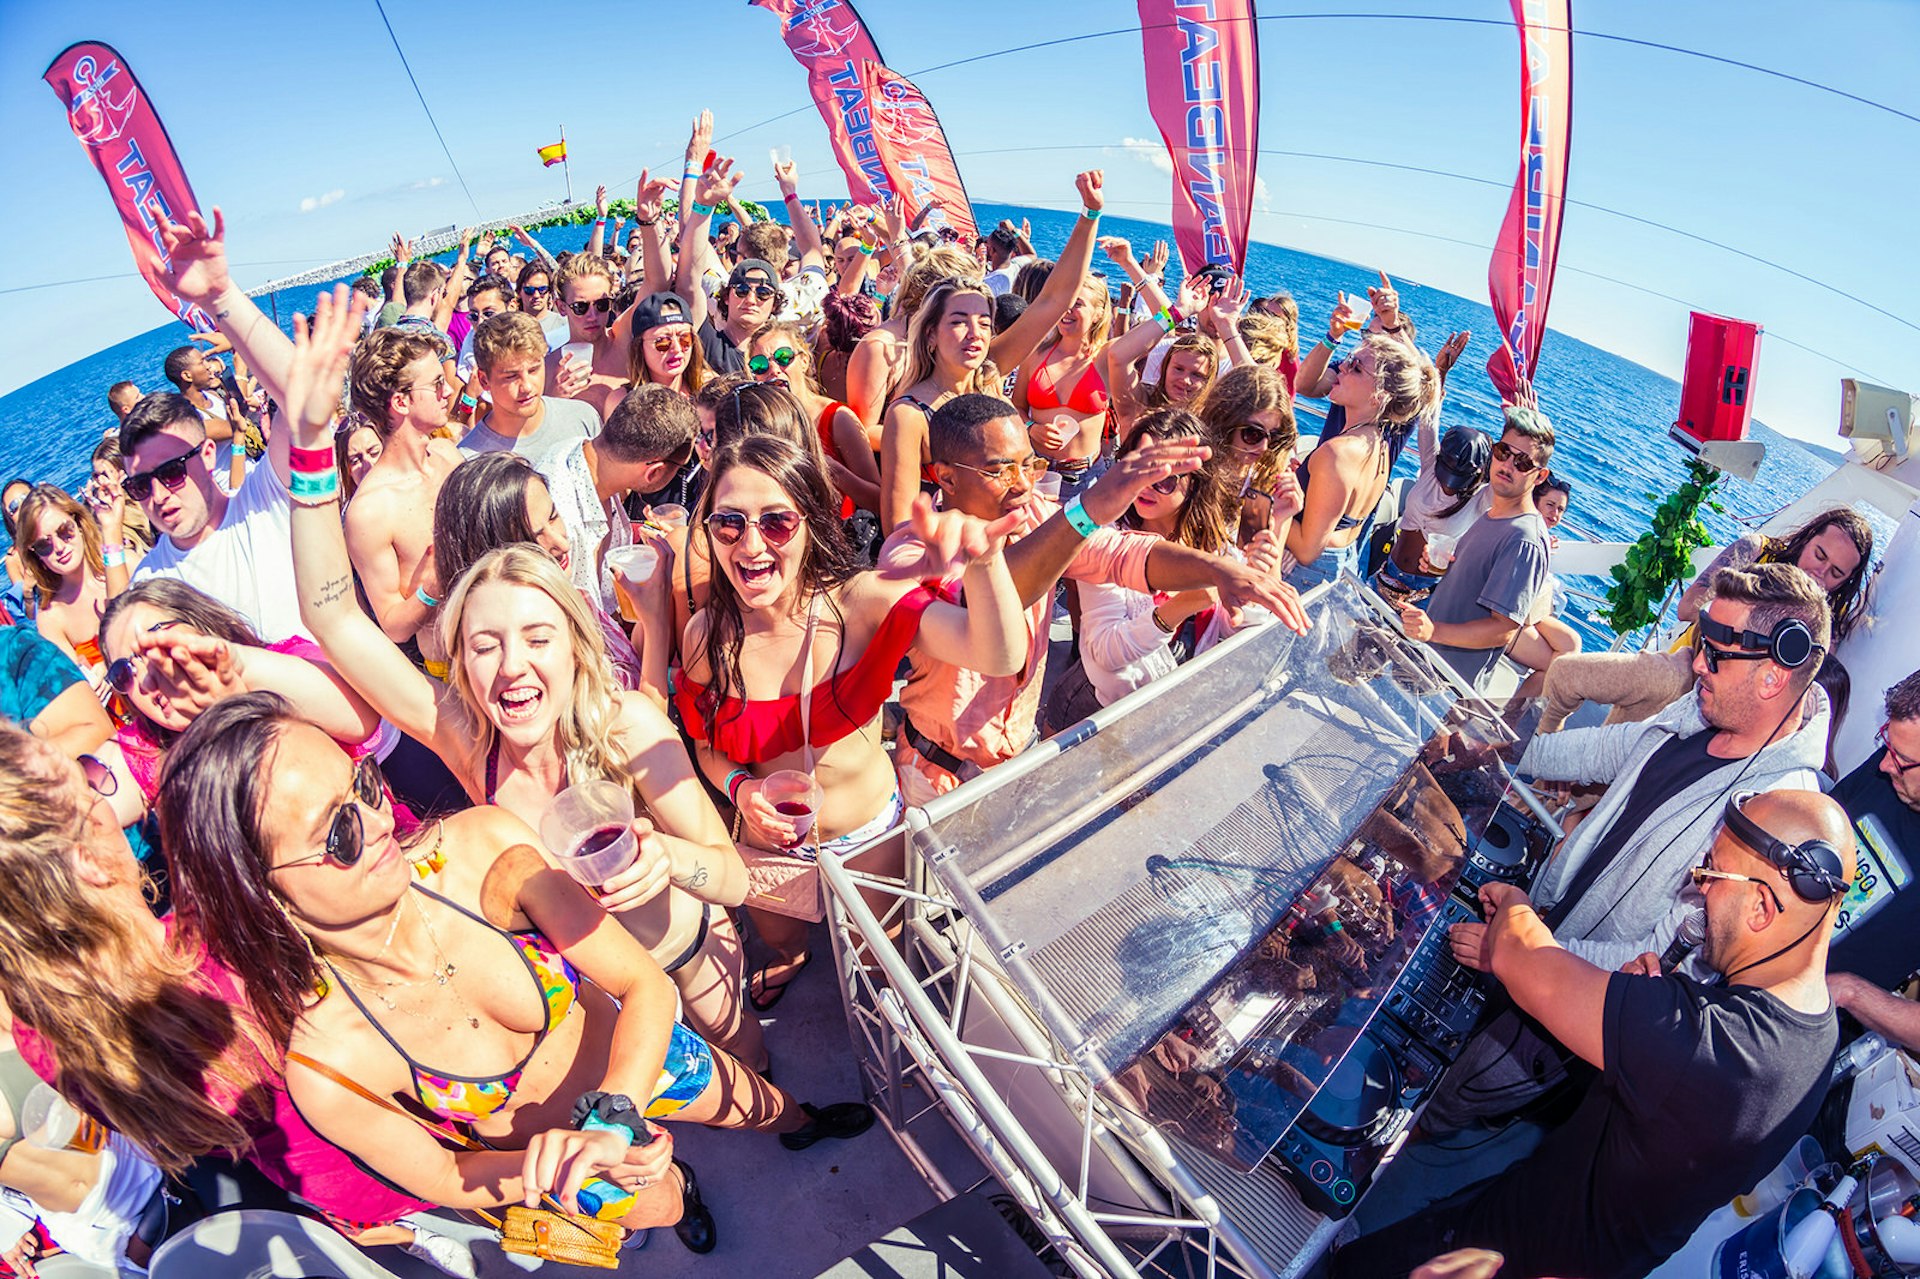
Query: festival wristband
(420, 593)
(312, 460)
(599, 221)
(468, 402)
(1165, 319)
(1332, 340)
(314, 484)
(594, 1123)
(867, 249)
(702, 210)
(1083, 524)
(113, 558)
(1092, 215)
(737, 778)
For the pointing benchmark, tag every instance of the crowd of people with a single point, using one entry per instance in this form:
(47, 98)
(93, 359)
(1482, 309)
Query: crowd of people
(767, 524)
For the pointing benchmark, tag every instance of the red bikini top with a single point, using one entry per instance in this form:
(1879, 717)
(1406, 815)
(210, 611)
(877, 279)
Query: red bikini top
(1089, 394)
(753, 732)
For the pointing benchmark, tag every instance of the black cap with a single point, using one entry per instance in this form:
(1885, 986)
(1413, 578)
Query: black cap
(747, 265)
(1464, 454)
(655, 309)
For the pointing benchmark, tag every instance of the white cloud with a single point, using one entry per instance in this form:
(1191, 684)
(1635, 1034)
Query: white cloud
(312, 202)
(1151, 150)
(1262, 196)
(428, 183)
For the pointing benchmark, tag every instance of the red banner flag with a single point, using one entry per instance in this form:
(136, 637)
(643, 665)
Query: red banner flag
(1520, 276)
(1203, 87)
(913, 149)
(124, 138)
(828, 38)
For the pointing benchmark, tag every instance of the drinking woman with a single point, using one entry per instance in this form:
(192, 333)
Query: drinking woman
(789, 663)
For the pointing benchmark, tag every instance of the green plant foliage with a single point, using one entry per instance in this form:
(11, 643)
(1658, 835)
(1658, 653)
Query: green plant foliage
(579, 215)
(1664, 554)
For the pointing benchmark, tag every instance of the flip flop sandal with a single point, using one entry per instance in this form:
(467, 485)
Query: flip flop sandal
(770, 996)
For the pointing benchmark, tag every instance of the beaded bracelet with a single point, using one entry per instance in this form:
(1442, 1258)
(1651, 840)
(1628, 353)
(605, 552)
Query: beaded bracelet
(312, 460)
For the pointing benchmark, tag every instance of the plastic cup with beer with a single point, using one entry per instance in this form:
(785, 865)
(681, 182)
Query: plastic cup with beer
(632, 568)
(589, 830)
(1047, 485)
(796, 797)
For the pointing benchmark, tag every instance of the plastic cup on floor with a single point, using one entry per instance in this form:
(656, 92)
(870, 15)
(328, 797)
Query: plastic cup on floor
(796, 797)
(589, 830)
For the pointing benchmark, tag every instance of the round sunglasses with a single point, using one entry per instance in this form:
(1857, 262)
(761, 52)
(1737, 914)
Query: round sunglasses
(123, 673)
(667, 342)
(783, 356)
(347, 832)
(65, 533)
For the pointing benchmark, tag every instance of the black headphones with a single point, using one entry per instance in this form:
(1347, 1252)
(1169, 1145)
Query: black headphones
(1813, 869)
(1790, 644)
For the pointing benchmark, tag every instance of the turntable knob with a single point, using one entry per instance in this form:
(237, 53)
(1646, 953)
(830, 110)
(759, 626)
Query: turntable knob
(1342, 1191)
(1322, 1172)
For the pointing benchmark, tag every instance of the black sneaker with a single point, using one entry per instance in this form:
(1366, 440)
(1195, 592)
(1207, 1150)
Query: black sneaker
(695, 1227)
(836, 1122)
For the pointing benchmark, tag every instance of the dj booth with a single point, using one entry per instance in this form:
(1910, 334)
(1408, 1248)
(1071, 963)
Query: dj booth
(1179, 976)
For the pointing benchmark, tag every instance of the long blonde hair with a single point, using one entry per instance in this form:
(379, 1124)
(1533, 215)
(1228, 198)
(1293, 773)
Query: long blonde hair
(587, 718)
(137, 1038)
(921, 336)
(41, 499)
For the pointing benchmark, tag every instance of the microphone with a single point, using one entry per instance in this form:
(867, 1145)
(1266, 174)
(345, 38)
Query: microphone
(1686, 940)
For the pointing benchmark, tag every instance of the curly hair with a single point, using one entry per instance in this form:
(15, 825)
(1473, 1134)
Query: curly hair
(1847, 599)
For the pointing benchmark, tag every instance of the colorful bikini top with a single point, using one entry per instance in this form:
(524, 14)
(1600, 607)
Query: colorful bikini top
(1089, 394)
(753, 732)
(466, 1100)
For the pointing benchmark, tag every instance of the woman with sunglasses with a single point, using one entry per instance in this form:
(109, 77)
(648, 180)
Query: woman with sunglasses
(1129, 638)
(62, 561)
(1383, 388)
(953, 350)
(778, 353)
(503, 1002)
(105, 492)
(1248, 415)
(530, 705)
(664, 350)
(788, 666)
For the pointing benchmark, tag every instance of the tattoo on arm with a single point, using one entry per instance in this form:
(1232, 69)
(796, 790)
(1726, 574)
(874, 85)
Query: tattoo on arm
(694, 880)
(334, 590)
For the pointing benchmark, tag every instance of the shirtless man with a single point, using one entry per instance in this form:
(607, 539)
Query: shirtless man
(586, 288)
(400, 383)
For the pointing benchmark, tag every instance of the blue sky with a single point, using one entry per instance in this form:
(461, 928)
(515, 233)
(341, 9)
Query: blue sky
(299, 121)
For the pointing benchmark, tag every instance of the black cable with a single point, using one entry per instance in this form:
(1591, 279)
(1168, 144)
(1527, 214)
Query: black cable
(424, 107)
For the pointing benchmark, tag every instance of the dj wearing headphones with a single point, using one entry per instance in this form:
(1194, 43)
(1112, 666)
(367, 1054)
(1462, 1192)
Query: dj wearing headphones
(1702, 1086)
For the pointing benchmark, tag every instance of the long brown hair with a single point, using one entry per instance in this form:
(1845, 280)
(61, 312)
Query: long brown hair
(694, 373)
(1843, 601)
(1208, 513)
(137, 1038)
(49, 497)
(1187, 343)
(1232, 401)
(921, 335)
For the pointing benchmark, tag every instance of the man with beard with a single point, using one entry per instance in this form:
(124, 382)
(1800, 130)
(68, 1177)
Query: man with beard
(1702, 1087)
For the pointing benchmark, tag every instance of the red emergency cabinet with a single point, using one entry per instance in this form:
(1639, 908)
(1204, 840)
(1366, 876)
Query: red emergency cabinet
(1716, 392)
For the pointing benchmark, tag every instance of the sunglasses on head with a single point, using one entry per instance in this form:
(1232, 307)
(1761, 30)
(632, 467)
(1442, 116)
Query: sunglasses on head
(1522, 462)
(537, 290)
(16, 503)
(783, 357)
(761, 291)
(122, 674)
(666, 342)
(347, 832)
(171, 474)
(776, 527)
(602, 305)
(66, 532)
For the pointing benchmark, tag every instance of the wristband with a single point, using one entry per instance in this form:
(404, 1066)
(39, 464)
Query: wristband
(702, 210)
(1165, 319)
(1083, 524)
(113, 557)
(320, 484)
(1159, 623)
(313, 460)
(1092, 215)
(420, 593)
(1332, 340)
(599, 221)
(468, 402)
(735, 780)
(790, 197)
(594, 1123)
(645, 221)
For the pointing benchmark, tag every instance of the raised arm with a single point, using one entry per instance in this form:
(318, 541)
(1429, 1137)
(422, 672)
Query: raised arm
(322, 573)
(536, 248)
(597, 242)
(198, 254)
(712, 189)
(806, 235)
(1063, 285)
(1313, 380)
(988, 634)
(649, 206)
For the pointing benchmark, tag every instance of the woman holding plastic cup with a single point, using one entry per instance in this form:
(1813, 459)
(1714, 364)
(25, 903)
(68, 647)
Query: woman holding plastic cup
(530, 707)
(789, 663)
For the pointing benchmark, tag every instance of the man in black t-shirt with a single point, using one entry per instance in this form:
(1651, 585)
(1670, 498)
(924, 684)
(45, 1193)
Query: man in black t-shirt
(1879, 942)
(1702, 1088)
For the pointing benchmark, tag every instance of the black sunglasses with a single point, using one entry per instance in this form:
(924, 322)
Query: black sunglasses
(1255, 436)
(538, 290)
(1522, 462)
(171, 474)
(783, 357)
(602, 305)
(122, 674)
(761, 291)
(777, 527)
(1715, 655)
(347, 833)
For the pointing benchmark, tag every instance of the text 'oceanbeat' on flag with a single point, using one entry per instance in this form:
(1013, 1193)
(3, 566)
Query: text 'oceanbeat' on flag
(1203, 87)
(113, 119)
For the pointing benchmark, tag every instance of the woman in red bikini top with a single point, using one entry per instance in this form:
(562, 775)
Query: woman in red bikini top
(1060, 387)
(777, 353)
(790, 662)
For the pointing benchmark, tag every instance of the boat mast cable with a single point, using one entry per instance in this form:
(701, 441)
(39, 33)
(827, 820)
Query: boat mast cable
(408, 68)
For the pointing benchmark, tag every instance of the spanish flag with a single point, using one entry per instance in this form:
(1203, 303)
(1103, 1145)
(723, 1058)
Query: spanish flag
(552, 155)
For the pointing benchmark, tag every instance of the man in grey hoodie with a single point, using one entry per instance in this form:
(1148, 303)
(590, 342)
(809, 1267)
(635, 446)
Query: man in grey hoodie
(1618, 886)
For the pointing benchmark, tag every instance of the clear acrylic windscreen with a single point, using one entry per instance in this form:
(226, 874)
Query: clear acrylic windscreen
(1164, 890)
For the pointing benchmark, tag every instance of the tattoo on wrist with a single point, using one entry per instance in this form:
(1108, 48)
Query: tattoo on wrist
(697, 878)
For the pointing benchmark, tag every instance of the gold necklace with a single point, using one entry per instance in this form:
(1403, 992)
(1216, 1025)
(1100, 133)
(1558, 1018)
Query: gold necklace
(441, 974)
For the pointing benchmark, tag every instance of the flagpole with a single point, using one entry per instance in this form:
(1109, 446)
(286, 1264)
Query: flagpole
(565, 168)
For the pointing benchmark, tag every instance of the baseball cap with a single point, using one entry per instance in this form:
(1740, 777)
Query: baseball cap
(748, 266)
(655, 309)
(1463, 458)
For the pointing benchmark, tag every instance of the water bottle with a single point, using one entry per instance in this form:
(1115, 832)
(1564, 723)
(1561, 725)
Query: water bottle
(1856, 1056)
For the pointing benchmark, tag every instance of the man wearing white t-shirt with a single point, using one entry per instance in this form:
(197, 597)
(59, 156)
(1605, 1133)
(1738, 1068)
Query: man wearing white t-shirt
(237, 548)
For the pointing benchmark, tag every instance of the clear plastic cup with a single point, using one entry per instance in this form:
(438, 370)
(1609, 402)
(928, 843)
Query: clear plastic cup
(796, 797)
(51, 1122)
(589, 830)
(668, 516)
(632, 568)
(782, 154)
(581, 351)
(1047, 485)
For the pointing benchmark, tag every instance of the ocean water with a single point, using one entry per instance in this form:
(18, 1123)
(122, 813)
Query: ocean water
(1611, 415)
